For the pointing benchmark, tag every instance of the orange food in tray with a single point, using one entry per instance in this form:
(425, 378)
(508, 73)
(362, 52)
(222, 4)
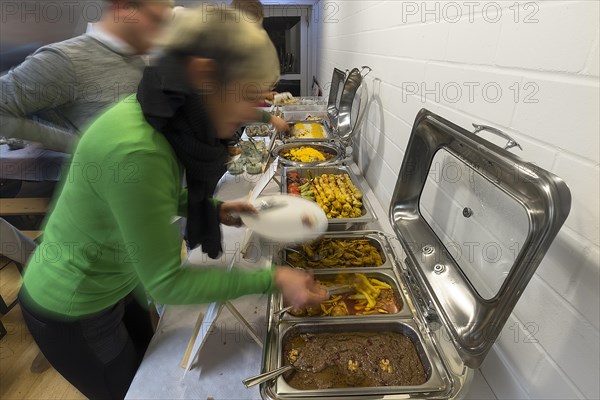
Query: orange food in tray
(367, 296)
(309, 130)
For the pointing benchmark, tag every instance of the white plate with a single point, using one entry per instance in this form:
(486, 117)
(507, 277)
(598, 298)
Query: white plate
(285, 224)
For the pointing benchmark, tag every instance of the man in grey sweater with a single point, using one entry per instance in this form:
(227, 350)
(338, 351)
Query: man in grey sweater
(55, 92)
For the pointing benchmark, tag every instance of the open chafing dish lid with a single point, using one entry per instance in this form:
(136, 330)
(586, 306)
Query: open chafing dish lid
(337, 83)
(349, 112)
(475, 221)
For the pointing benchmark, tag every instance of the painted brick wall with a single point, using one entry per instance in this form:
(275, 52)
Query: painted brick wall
(532, 70)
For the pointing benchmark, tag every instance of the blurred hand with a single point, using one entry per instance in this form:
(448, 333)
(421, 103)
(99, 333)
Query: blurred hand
(280, 124)
(270, 96)
(298, 288)
(228, 212)
(280, 98)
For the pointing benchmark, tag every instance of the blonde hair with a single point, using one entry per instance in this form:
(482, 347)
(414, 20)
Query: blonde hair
(136, 3)
(108, 4)
(242, 50)
(250, 8)
(170, 3)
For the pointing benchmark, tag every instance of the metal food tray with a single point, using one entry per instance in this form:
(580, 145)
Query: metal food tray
(327, 132)
(250, 127)
(304, 107)
(302, 115)
(377, 239)
(321, 146)
(437, 382)
(336, 224)
(384, 276)
(306, 104)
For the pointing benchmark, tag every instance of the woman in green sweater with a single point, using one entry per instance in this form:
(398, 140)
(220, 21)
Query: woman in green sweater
(109, 239)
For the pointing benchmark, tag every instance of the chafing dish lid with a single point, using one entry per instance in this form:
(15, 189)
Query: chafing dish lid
(475, 221)
(348, 112)
(337, 83)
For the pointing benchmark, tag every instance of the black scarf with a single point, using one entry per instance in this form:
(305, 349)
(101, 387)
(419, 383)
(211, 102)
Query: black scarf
(172, 106)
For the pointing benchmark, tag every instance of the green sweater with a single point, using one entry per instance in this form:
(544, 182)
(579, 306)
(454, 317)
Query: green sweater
(111, 227)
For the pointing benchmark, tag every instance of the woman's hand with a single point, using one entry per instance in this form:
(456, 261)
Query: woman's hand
(299, 288)
(280, 124)
(270, 96)
(228, 212)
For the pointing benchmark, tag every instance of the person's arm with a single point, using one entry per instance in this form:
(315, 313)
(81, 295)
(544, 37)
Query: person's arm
(267, 118)
(43, 81)
(263, 116)
(143, 207)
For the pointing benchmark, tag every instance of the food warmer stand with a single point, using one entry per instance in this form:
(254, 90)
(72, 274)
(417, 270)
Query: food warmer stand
(342, 116)
(455, 191)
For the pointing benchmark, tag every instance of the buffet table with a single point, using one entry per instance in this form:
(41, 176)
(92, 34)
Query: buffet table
(229, 354)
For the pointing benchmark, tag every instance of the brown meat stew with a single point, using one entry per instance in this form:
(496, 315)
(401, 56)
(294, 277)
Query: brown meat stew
(353, 359)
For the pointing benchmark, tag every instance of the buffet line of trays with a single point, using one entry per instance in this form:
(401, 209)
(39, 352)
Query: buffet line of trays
(364, 339)
(320, 129)
(398, 324)
(312, 140)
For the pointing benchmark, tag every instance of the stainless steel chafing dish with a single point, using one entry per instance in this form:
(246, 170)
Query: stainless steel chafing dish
(351, 108)
(305, 104)
(338, 79)
(436, 376)
(336, 224)
(331, 148)
(345, 109)
(455, 191)
(384, 275)
(376, 239)
(305, 115)
(291, 137)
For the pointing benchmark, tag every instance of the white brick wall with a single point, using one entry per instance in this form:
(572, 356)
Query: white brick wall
(544, 60)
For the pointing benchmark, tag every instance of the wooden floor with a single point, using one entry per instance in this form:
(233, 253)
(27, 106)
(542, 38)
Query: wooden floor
(18, 350)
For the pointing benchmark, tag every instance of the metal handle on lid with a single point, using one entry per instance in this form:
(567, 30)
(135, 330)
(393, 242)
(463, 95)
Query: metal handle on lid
(511, 142)
(363, 68)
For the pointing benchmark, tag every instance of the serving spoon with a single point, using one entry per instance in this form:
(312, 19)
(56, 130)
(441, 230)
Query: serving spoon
(299, 364)
(267, 376)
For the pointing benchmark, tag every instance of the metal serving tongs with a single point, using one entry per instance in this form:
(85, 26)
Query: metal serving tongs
(295, 364)
(331, 291)
(315, 258)
(253, 142)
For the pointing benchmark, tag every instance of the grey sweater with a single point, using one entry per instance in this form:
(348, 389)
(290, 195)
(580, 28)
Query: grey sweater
(55, 93)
